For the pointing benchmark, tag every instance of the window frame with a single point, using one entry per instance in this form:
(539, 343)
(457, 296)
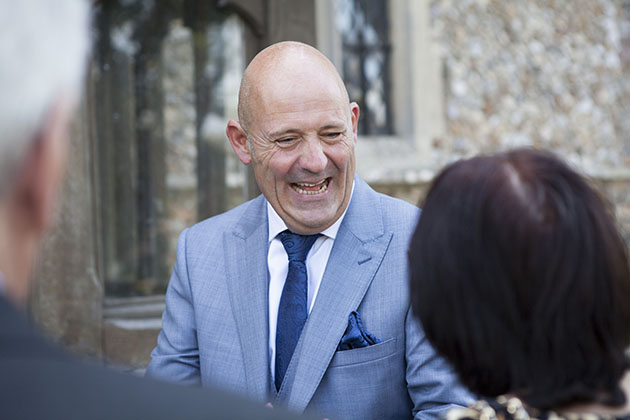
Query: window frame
(416, 97)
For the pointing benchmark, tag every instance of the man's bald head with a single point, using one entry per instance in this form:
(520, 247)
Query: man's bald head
(282, 66)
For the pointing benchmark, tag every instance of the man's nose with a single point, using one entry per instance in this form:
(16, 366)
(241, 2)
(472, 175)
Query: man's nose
(313, 158)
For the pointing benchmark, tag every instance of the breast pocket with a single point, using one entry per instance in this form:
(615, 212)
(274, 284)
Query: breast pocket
(364, 354)
(365, 383)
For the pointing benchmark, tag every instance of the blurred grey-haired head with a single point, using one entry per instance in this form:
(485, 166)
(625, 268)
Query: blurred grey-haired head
(43, 49)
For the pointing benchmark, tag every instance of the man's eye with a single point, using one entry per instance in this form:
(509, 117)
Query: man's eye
(285, 140)
(332, 135)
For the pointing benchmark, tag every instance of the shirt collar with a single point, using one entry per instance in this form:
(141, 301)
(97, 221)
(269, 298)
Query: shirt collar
(277, 225)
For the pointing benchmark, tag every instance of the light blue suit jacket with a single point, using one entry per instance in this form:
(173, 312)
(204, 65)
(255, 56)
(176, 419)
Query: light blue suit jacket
(215, 326)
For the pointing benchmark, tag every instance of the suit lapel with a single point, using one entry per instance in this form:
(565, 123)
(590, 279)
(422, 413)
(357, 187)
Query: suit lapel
(357, 253)
(247, 277)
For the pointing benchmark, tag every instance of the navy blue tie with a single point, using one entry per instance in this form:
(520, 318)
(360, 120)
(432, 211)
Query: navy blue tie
(293, 309)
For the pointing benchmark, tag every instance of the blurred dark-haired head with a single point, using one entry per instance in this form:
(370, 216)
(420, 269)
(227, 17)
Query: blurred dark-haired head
(521, 280)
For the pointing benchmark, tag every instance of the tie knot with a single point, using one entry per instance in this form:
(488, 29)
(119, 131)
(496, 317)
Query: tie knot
(297, 246)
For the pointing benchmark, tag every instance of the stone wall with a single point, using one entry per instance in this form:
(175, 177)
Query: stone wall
(543, 73)
(553, 74)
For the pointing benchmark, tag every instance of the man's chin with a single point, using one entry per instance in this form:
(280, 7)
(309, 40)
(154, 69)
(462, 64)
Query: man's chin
(311, 221)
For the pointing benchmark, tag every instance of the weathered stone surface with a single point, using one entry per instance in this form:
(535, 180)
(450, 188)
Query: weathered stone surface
(536, 73)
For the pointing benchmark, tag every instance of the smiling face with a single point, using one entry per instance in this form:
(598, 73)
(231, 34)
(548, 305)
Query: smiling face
(301, 137)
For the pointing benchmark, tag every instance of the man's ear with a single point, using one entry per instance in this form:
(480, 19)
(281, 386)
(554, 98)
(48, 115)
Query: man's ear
(38, 181)
(238, 140)
(354, 111)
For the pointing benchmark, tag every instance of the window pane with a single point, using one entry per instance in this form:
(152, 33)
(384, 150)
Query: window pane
(165, 82)
(363, 26)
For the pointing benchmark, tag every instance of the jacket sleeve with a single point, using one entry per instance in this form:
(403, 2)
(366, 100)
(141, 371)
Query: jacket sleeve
(432, 384)
(176, 356)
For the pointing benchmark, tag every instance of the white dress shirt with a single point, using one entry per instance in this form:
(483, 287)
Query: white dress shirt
(278, 266)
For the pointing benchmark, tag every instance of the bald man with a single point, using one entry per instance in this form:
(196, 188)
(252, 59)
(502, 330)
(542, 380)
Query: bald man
(299, 297)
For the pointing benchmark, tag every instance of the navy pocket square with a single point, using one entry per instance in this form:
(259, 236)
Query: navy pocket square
(355, 336)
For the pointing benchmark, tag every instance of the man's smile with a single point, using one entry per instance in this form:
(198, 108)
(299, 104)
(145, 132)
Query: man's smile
(311, 189)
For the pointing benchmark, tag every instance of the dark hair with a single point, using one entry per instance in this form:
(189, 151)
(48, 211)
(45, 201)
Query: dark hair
(521, 280)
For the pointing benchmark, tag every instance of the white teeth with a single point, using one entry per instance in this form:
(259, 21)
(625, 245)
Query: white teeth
(305, 184)
(323, 187)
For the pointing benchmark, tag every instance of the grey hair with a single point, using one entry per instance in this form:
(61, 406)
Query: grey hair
(43, 50)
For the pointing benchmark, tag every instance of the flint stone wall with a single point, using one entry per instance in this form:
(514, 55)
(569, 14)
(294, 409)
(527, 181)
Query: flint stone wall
(546, 73)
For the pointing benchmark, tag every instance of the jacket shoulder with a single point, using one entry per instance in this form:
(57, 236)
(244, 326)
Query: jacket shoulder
(223, 222)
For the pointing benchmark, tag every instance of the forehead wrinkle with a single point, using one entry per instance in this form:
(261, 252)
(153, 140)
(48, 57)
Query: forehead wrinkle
(331, 113)
(315, 114)
(299, 124)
